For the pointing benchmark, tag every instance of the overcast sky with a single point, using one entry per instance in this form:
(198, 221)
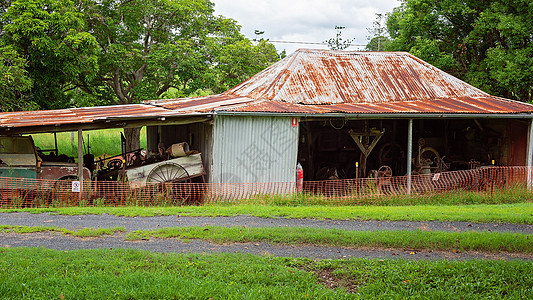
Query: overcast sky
(305, 20)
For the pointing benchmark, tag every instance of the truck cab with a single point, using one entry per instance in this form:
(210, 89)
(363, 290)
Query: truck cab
(19, 158)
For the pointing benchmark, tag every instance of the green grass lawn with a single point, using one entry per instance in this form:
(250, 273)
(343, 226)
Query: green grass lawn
(518, 213)
(131, 274)
(399, 239)
(84, 232)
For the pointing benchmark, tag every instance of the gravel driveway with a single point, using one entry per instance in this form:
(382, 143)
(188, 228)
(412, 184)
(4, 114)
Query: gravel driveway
(60, 242)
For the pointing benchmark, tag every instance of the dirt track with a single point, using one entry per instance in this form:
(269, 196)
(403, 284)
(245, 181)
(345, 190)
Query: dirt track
(60, 242)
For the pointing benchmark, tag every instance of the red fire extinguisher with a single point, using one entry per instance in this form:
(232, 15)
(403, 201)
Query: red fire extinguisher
(299, 178)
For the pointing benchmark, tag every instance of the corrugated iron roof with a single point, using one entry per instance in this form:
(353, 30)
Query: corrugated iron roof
(310, 82)
(487, 105)
(334, 77)
(79, 115)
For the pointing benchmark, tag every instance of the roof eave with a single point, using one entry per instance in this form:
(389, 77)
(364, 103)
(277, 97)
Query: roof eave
(383, 115)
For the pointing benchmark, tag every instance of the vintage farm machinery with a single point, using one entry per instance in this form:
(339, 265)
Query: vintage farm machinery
(168, 172)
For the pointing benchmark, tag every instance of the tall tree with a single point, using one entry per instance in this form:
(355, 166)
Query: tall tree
(150, 46)
(486, 43)
(15, 82)
(49, 35)
(378, 39)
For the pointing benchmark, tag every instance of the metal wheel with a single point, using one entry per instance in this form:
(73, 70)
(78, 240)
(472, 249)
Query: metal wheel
(114, 164)
(173, 181)
(167, 172)
(427, 159)
(393, 155)
(384, 171)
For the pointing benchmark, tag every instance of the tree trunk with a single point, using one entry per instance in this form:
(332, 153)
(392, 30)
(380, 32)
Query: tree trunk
(132, 136)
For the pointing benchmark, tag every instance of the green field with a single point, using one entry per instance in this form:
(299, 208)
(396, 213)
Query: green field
(100, 141)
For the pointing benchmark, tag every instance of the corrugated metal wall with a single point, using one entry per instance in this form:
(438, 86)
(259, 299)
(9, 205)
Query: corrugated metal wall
(254, 149)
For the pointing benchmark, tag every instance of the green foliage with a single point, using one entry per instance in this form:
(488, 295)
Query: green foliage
(100, 142)
(378, 39)
(60, 53)
(50, 36)
(149, 47)
(407, 279)
(14, 82)
(487, 43)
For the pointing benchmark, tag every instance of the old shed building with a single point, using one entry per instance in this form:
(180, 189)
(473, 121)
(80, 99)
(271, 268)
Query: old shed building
(339, 114)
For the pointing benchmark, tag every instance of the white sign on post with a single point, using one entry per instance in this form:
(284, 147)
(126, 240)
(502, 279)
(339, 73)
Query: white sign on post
(76, 187)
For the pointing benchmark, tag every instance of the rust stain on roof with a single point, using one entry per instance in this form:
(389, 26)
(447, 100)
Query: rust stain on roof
(332, 77)
(311, 82)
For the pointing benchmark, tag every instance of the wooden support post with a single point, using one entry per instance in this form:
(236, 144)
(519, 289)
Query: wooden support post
(80, 156)
(365, 145)
(409, 154)
(529, 158)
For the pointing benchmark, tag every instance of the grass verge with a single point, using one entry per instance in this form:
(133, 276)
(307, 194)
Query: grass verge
(400, 239)
(84, 232)
(519, 213)
(131, 274)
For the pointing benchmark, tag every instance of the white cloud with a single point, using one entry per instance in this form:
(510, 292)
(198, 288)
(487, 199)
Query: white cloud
(304, 21)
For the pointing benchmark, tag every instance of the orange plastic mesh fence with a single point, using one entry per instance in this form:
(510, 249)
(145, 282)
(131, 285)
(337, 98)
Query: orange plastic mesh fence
(21, 192)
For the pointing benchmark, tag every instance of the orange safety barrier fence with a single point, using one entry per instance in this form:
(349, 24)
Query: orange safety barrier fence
(22, 192)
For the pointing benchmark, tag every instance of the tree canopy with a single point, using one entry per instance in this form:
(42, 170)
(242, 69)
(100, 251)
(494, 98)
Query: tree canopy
(486, 43)
(101, 52)
(48, 40)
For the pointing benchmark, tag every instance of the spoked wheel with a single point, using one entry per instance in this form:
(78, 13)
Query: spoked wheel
(173, 181)
(384, 179)
(384, 171)
(428, 159)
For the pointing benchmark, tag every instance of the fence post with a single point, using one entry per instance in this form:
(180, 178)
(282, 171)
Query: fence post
(409, 154)
(529, 158)
(80, 161)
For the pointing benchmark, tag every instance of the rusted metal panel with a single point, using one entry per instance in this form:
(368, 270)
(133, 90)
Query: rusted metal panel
(62, 171)
(438, 106)
(78, 115)
(307, 82)
(333, 77)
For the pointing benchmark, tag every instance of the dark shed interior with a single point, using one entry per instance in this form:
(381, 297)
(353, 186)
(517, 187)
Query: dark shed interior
(328, 148)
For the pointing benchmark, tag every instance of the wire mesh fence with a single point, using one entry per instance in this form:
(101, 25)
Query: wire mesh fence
(497, 182)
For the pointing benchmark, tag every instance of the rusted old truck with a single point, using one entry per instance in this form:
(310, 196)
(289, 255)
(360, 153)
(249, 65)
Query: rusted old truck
(19, 158)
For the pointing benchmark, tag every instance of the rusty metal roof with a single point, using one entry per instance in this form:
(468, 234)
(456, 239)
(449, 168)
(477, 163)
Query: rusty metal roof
(483, 105)
(79, 115)
(318, 82)
(334, 77)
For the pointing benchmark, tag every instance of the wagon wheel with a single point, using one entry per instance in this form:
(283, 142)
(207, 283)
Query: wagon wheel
(384, 179)
(384, 171)
(172, 179)
(427, 157)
